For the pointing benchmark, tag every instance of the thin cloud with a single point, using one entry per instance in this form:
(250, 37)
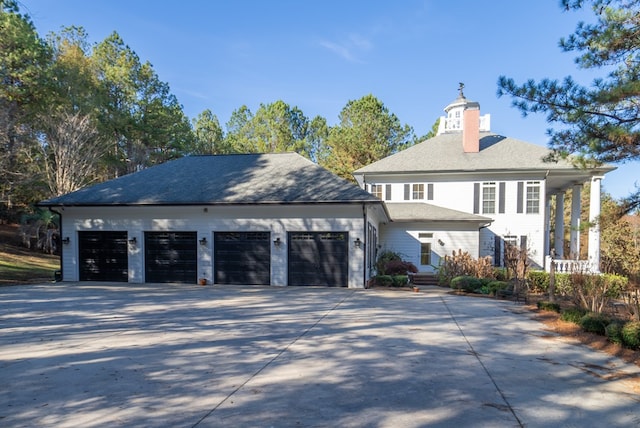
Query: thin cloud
(349, 49)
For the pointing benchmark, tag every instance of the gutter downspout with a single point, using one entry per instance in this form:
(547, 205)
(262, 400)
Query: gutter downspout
(365, 240)
(61, 245)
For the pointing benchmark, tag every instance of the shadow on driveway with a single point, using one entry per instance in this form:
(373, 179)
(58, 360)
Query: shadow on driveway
(97, 354)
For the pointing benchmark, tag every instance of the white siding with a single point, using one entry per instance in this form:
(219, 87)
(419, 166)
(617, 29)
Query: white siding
(277, 219)
(458, 194)
(404, 238)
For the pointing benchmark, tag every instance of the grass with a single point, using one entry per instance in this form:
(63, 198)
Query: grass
(19, 265)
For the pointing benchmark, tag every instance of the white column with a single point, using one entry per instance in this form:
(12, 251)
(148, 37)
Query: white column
(547, 225)
(594, 226)
(558, 234)
(576, 207)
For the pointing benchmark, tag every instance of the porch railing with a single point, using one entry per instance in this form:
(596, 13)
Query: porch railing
(568, 266)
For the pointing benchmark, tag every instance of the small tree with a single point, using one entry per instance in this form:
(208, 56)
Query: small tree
(517, 262)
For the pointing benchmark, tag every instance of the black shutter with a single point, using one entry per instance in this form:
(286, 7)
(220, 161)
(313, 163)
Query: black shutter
(430, 191)
(523, 242)
(476, 198)
(520, 196)
(387, 192)
(501, 196)
(497, 244)
(407, 192)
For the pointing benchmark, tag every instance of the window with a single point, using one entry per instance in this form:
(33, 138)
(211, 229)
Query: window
(425, 253)
(418, 191)
(376, 190)
(489, 198)
(533, 197)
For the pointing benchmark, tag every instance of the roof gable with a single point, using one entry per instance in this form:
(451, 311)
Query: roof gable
(222, 179)
(444, 153)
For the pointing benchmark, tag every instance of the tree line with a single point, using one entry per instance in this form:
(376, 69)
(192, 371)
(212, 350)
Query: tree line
(73, 113)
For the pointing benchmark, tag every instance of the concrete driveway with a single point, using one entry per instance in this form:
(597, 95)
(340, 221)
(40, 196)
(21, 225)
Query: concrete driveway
(105, 355)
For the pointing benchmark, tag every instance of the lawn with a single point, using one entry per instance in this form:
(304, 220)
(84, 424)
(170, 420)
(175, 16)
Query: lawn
(21, 265)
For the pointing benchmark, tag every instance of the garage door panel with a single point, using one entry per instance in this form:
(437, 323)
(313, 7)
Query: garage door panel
(242, 258)
(171, 257)
(103, 256)
(318, 258)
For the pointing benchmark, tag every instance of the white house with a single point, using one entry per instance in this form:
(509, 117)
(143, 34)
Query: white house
(279, 219)
(468, 188)
(268, 219)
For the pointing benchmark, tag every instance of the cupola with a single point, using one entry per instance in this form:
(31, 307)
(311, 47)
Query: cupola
(464, 116)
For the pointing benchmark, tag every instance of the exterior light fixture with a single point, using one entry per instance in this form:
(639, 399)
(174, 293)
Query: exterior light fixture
(203, 241)
(66, 241)
(357, 243)
(440, 242)
(133, 241)
(277, 242)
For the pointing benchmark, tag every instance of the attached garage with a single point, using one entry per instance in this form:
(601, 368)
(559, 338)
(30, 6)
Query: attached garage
(242, 258)
(103, 256)
(171, 257)
(318, 258)
(250, 219)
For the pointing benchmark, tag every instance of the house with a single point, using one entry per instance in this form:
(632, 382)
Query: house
(468, 188)
(268, 219)
(279, 219)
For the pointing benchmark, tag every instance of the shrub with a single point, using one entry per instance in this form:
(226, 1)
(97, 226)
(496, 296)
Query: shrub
(631, 334)
(399, 280)
(495, 286)
(384, 280)
(467, 283)
(613, 331)
(594, 323)
(399, 267)
(538, 281)
(391, 263)
(500, 274)
(573, 315)
(548, 306)
(462, 264)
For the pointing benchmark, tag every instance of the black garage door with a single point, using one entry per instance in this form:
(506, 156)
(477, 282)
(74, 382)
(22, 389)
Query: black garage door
(242, 258)
(103, 256)
(171, 257)
(319, 258)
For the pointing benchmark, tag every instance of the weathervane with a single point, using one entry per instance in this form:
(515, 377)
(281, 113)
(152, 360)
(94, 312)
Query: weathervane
(460, 88)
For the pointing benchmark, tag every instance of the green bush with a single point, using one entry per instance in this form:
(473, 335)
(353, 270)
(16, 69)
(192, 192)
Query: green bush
(500, 274)
(631, 334)
(613, 331)
(538, 281)
(495, 286)
(594, 323)
(399, 280)
(469, 284)
(573, 315)
(384, 280)
(548, 306)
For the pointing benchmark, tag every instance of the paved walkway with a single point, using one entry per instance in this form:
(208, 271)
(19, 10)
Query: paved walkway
(108, 355)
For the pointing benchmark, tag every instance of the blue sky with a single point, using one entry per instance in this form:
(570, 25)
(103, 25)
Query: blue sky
(318, 55)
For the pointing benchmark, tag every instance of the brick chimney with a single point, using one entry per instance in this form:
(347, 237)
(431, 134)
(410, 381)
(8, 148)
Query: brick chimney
(471, 128)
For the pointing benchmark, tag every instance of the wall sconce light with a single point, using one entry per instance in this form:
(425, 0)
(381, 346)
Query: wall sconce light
(133, 241)
(203, 241)
(440, 242)
(66, 241)
(277, 242)
(357, 243)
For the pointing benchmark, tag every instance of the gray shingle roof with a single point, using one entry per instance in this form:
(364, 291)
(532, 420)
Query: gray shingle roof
(222, 179)
(444, 153)
(418, 211)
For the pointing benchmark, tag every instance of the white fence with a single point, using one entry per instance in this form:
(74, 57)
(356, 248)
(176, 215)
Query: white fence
(569, 266)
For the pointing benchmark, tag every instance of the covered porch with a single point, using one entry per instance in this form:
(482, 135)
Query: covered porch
(558, 185)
